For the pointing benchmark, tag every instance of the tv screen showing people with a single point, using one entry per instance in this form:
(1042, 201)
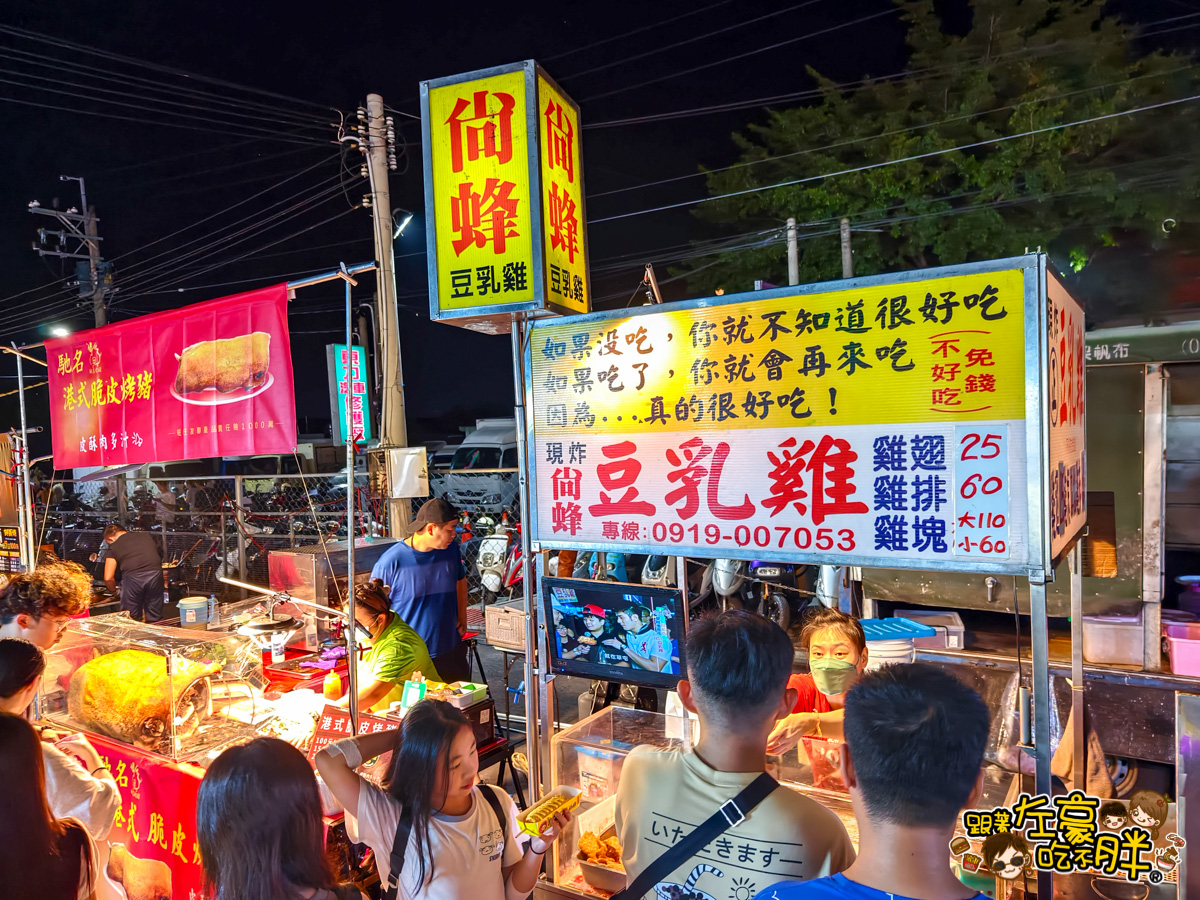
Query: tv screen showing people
(613, 631)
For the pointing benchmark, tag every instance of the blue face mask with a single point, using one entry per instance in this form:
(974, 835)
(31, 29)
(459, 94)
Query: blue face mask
(833, 676)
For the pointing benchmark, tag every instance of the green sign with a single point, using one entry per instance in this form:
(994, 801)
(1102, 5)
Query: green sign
(1144, 344)
(341, 357)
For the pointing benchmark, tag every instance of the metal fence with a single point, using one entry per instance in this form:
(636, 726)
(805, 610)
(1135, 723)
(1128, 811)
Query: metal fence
(491, 505)
(213, 527)
(227, 526)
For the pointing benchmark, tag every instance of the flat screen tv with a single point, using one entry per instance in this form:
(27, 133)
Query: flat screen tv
(627, 633)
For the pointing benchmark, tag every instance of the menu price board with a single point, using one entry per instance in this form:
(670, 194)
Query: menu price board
(881, 421)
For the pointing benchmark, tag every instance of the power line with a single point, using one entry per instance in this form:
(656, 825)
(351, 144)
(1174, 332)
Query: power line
(892, 162)
(156, 122)
(301, 204)
(639, 30)
(144, 104)
(57, 287)
(213, 102)
(658, 50)
(190, 76)
(756, 50)
(892, 133)
(288, 237)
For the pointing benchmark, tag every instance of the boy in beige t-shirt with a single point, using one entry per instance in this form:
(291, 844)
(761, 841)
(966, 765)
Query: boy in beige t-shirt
(738, 665)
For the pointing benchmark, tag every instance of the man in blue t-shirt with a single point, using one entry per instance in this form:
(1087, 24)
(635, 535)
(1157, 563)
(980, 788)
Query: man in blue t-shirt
(912, 761)
(429, 587)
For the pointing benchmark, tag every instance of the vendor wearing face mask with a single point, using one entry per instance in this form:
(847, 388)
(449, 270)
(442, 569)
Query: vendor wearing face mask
(837, 655)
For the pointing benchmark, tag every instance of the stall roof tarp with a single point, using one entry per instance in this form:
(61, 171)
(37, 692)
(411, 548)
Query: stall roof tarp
(1144, 344)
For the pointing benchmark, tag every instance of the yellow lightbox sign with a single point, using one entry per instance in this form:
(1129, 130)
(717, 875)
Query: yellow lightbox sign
(564, 235)
(482, 220)
(505, 223)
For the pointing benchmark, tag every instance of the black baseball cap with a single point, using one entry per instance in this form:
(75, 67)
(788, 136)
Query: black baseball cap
(435, 512)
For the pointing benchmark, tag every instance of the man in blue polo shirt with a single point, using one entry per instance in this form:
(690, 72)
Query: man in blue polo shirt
(429, 587)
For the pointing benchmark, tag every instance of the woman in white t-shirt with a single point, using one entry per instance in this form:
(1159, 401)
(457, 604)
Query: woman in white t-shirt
(457, 847)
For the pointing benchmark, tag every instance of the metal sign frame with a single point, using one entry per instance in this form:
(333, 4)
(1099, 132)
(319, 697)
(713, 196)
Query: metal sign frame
(1037, 564)
(499, 314)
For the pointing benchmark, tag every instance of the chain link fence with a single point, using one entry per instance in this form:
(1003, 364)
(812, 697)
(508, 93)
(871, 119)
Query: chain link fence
(214, 527)
(209, 527)
(489, 532)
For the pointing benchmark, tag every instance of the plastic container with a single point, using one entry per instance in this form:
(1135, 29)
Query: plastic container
(606, 878)
(194, 612)
(475, 693)
(888, 653)
(1189, 597)
(947, 623)
(1113, 640)
(530, 821)
(1185, 655)
(1187, 630)
(504, 624)
(895, 628)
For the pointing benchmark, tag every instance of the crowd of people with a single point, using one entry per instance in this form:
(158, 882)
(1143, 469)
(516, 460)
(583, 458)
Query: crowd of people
(911, 752)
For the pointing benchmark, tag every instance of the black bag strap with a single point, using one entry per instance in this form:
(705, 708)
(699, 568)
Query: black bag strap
(404, 830)
(732, 812)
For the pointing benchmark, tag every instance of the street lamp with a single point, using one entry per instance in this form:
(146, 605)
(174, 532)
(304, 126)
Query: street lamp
(60, 331)
(400, 222)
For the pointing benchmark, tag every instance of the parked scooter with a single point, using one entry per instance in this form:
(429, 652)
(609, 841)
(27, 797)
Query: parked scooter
(774, 593)
(492, 560)
(659, 570)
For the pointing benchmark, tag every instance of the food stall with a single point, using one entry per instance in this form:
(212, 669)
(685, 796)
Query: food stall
(750, 427)
(158, 703)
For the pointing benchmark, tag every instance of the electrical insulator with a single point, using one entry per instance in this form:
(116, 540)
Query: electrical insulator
(362, 114)
(363, 171)
(366, 200)
(390, 122)
(392, 164)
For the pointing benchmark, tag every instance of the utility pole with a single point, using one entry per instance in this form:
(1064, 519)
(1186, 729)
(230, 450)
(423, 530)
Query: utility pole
(847, 258)
(95, 278)
(793, 252)
(381, 156)
(95, 264)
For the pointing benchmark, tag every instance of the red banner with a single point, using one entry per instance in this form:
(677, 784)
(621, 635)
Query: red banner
(211, 379)
(153, 844)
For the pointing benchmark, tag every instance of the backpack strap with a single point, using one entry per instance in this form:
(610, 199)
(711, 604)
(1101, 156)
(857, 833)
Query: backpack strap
(489, 794)
(732, 812)
(396, 858)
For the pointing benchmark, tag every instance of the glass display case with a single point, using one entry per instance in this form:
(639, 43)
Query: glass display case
(181, 694)
(590, 755)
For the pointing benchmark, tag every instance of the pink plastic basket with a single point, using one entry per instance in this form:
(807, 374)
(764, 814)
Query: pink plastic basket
(1185, 655)
(1187, 630)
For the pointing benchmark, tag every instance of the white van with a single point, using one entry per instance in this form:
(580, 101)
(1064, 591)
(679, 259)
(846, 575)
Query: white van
(474, 482)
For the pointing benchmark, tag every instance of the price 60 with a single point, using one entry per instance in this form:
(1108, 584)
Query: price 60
(977, 484)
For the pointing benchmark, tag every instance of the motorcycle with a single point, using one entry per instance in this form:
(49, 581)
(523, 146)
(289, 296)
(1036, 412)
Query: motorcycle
(775, 591)
(491, 562)
(659, 570)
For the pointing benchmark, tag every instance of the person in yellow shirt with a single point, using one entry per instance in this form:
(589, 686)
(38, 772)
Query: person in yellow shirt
(396, 650)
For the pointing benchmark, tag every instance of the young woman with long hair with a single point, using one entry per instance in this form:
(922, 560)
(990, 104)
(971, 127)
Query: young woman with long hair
(40, 855)
(78, 783)
(258, 816)
(454, 838)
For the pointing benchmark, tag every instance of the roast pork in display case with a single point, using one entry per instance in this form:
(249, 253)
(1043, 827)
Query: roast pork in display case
(180, 694)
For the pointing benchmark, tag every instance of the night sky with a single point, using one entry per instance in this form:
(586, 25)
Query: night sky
(154, 183)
